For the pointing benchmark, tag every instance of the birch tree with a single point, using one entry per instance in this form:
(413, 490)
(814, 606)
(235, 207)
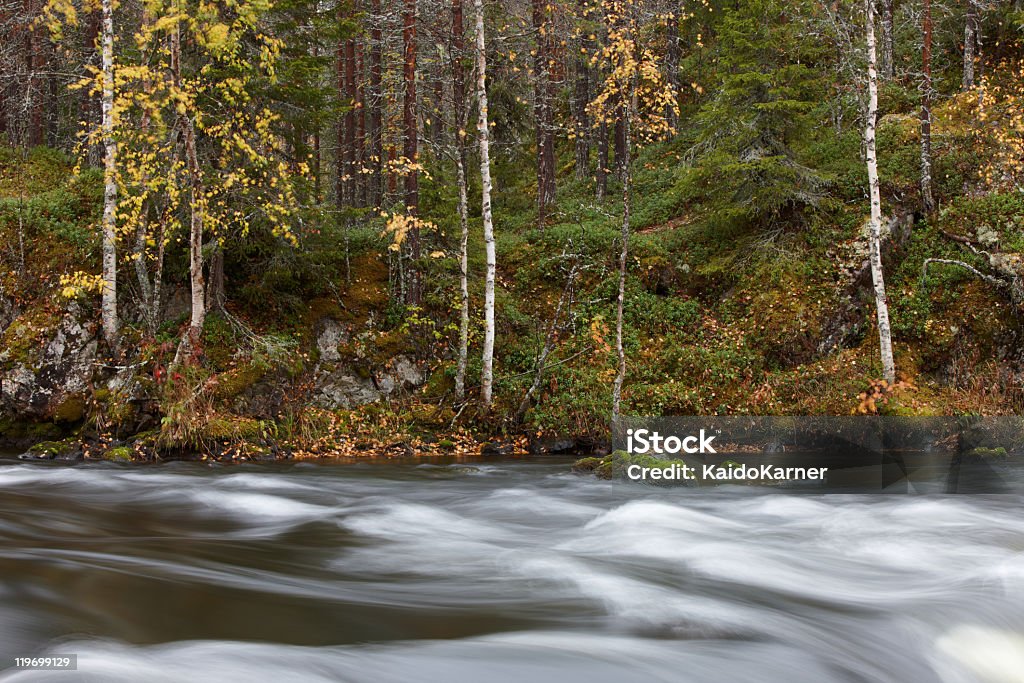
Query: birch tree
(927, 199)
(970, 44)
(109, 299)
(56, 15)
(482, 127)
(875, 225)
(637, 98)
(459, 100)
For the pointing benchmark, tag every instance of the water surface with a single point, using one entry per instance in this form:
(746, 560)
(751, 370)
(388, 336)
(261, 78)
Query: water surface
(496, 570)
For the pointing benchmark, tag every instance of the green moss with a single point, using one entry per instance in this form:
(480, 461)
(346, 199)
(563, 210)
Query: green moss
(981, 452)
(25, 335)
(119, 454)
(229, 427)
(48, 449)
(234, 382)
(71, 410)
(438, 384)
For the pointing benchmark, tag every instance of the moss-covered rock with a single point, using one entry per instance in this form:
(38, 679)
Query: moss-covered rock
(982, 452)
(70, 410)
(119, 454)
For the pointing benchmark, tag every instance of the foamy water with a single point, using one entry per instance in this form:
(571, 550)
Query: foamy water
(497, 571)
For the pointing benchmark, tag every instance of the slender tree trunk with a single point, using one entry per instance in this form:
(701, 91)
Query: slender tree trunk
(412, 196)
(459, 99)
(88, 111)
(927, 199)
(542, 113)
(109, 300)
(602, 161)
(37, 57)
(195, 251)
(191, 343)
(216, 293)
(970, 42)
(487, 369)
(342, 157)
(887, 62)
(359, 91)
(620, 350)
(672, 61)
(582, 97)
(376, 103)
(619, 131)
(350, 123)
(881, 301)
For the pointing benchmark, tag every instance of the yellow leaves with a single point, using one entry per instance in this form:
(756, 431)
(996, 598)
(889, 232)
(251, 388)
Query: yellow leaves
(599, 333)
(399, 226)
(79, 284)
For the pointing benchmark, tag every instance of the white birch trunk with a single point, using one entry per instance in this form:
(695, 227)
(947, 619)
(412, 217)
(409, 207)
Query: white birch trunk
(109, 302)
(970, 42)
(460, 373)
(487, 370)
(627, 180)
(195, 242)
(881, 301)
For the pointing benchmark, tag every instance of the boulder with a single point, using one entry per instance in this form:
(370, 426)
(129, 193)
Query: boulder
(49, 379)
(342, 389)
(329, 335)
(345, 388)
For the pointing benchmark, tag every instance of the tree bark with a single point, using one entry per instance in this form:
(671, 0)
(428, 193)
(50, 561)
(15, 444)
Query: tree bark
(874, 237)
(970, 42)
(459, 100)
(109, 299)
(927, 199)
(376, 104)
(582, 99)
(216, 292)
(887, 62)
(619, 133)
(620, 350)
(191, 343)
(342, 158)
(542, 113)
(487, 369)
(359, 93)
(88, 111)
(602, 161)
(672, 61)
(413, 291)
(350, 122)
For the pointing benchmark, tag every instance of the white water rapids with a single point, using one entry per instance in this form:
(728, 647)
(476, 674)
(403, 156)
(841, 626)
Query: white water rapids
(508, 570)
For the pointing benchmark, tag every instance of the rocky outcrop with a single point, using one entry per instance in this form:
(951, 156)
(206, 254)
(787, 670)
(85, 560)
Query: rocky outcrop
(338, 384)
(46, 371)
(341, 387)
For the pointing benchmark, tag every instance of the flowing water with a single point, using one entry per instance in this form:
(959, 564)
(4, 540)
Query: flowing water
(497, 570)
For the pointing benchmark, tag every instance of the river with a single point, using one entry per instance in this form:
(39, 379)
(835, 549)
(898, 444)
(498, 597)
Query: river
(496, 570)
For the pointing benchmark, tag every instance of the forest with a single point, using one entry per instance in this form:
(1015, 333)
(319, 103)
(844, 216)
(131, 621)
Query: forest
(250, 229)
